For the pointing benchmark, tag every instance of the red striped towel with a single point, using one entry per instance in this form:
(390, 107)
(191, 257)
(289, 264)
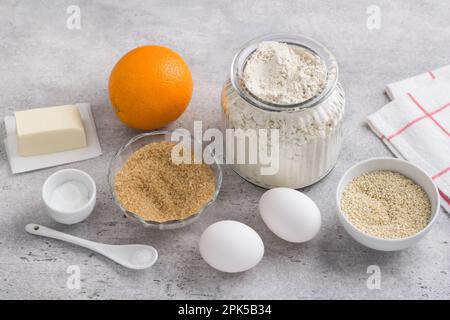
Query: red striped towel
(415, 125)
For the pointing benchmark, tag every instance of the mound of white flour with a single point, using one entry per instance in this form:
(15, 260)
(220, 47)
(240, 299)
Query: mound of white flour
(284, 74)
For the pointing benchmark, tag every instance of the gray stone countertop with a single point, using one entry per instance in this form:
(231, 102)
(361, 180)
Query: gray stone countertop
(43, 63)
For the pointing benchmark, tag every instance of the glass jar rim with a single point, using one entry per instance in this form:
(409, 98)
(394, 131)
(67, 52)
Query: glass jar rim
(311, 45)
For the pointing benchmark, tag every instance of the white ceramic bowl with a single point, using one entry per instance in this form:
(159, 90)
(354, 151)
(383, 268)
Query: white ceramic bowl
(407, 169)
(69, 216)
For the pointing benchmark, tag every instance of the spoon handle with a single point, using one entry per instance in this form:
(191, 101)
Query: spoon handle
(50, 233)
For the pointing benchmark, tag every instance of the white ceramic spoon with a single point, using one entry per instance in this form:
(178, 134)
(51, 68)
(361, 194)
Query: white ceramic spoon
(133, 256)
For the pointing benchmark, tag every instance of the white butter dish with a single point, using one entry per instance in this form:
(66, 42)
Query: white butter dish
(23, 164)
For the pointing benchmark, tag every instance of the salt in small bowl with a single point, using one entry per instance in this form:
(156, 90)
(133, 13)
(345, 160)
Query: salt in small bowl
(69, 216)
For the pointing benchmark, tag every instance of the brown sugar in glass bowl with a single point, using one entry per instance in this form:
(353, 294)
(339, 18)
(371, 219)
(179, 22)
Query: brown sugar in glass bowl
(149, 188)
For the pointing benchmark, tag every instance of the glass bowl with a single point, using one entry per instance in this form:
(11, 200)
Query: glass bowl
(136, 143)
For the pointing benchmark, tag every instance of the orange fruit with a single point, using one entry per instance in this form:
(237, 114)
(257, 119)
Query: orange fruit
(150, 87)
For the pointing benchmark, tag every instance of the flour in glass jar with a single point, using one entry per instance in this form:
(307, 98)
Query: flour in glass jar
(283, 77)
(284, 74)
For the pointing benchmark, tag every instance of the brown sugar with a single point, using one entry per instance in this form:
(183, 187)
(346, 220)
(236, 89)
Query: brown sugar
(153, 187)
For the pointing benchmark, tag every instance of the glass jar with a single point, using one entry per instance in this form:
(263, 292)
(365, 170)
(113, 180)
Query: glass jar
(310, 132)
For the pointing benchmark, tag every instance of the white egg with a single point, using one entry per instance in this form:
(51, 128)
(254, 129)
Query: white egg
(290, 214)
(231, 246)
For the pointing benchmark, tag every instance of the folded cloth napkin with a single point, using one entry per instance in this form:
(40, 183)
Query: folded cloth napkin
(397, 89)
(415, 125)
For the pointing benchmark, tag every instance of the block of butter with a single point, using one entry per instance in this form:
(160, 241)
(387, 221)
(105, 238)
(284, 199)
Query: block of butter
(49, 130)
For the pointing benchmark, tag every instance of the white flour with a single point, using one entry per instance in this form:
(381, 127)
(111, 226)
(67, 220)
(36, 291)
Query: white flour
(284, 74)
(310, 139)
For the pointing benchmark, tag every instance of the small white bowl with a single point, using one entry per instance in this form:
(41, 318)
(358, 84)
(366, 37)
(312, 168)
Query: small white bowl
(407, 169)
(57, 179)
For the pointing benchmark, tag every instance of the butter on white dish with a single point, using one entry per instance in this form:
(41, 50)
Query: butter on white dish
(49, 130)
(19, 163)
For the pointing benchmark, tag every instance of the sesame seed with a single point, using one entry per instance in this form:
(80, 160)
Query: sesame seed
(386, 204)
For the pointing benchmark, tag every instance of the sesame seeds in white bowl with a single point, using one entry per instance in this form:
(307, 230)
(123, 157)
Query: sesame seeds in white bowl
(387, 204)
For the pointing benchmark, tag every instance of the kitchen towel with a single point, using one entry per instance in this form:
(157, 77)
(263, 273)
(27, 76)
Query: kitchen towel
(397, 89)
(415, 125)
(22, 164)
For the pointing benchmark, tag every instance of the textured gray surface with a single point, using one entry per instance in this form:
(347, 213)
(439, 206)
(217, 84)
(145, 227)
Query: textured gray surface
(43, 63)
